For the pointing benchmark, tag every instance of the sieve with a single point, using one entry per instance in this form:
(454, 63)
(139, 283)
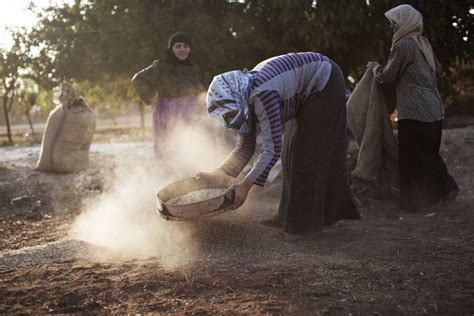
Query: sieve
(199, 209)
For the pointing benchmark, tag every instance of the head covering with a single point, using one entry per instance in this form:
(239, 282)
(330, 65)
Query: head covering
(179, 38)
(230, 92)
(68, 94)
(169, 56)
(410, 23)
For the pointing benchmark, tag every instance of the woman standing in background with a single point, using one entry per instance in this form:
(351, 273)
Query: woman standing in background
(171, 86)
(412, 67)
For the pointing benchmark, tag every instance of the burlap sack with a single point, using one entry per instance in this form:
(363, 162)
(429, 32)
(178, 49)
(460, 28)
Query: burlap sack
(67, 138)
(367, 115)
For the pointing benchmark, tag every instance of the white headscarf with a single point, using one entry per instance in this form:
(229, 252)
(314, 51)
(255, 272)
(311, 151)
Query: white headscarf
(410, 23)
(229, 92)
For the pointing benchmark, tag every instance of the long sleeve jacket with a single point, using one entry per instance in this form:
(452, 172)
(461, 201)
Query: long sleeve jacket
(417, 92)
(168, 81)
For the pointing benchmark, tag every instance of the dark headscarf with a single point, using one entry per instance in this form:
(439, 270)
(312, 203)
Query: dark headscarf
(169, 56)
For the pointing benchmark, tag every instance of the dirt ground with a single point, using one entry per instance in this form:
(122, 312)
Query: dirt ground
(67, 246)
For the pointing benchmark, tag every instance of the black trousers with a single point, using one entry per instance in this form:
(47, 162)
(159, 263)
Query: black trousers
(316, 189)
(424, 178)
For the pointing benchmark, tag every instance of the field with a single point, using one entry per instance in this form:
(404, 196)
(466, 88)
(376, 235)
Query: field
(92, 242)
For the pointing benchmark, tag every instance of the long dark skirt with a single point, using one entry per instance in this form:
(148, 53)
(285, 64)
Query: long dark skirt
(424, 178)
(316, 190)
(169, 113)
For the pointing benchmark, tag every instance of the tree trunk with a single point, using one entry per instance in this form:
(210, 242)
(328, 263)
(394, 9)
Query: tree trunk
(141, 108)
(28, 117)
(6, 111)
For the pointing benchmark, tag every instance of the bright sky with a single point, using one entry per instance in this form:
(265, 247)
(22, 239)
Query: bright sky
(14, 13)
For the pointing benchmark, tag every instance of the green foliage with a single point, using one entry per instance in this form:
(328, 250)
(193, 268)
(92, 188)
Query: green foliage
(102, 43)
(12, 62)
(27, 94)
(111, 96)
(45, 99)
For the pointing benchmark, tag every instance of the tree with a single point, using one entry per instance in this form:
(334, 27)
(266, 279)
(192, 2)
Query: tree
(28, 98)
(100, 41)
(11, 63)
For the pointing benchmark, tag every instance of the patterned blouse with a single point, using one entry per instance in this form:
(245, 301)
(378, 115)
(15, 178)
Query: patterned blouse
(417, 92)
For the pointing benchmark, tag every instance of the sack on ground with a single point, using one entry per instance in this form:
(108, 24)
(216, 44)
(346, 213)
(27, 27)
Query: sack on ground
(67, 138)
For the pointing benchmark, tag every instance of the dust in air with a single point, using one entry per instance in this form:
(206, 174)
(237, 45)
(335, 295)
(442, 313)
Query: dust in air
(124, 219)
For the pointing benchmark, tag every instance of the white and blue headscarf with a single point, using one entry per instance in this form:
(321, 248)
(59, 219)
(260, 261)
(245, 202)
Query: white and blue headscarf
(230, 92)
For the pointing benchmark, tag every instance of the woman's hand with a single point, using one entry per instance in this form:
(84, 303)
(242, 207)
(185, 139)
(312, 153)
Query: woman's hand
(153, 101)
(241, 191)
(372, 65)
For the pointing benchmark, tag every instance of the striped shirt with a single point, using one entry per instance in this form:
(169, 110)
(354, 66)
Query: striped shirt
(280, 86)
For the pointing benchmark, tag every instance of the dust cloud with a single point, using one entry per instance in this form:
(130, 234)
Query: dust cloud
(124, 219)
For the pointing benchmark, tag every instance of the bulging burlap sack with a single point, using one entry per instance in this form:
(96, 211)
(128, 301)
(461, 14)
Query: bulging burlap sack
(67, 138)
(367, 115)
